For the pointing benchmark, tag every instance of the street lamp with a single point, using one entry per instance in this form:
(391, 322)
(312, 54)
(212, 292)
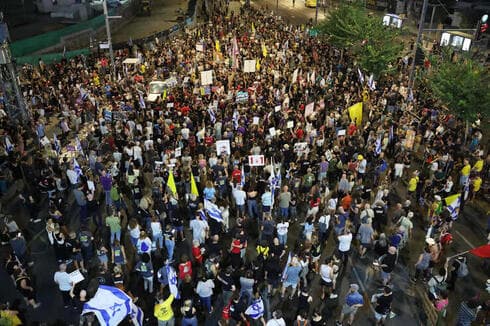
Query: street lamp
(109, 38)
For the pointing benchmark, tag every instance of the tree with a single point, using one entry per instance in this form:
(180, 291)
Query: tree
(463, 85)
(374, 46)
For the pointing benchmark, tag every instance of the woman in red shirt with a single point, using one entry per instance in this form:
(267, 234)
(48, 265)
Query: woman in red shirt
(235, 249)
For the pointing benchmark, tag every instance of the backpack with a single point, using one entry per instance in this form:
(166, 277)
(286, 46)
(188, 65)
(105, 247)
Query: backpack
(463, 269)
(440, 286)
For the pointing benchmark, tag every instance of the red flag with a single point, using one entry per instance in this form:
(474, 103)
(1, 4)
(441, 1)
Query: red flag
(482, 251)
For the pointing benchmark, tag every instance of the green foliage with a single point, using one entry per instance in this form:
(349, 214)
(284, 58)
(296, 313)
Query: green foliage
(463, 86)
(374, 46)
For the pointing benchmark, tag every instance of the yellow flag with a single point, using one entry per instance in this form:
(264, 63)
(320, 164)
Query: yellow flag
(355, 113)
(264, 50)
(217, 46)
(203, 92)
(164, 96)
(257, 65)
(253, 28)
(194, 190)
(171, 183)
(198, 33)
(451, 199)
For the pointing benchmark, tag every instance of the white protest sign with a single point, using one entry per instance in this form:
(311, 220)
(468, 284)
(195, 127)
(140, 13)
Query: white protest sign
(256, 160)
(300, 148)
(90, 185)
(199, 47)
(207, 77)
(76, 276)
(272, 131)
(178, 152)
(249, 66)
(223, 147)
(170, 105)
(290, 124)
(309, 109)
(295, 76)
(277, 108)
(256, 121)
(341, 132)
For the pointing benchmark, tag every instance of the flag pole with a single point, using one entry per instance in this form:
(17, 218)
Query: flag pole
(458, 254)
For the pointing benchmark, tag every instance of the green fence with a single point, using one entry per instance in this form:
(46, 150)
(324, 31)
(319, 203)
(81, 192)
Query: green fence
(36, 43)
(50, 57)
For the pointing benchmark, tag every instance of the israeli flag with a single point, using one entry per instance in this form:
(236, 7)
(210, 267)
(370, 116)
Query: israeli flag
(236, 116)
(242, 180)
(361, 76)
(371, 83)
(142, 102)
(377, 150)
(256, 309)
(78, 145)
(9, 147)
(83, 94)
(410, 97)
(110, 305)
(212, 115)
(57, 146)
(77, 167)
(202, 214)
(172, 281)
(137, 315)
(213, 210)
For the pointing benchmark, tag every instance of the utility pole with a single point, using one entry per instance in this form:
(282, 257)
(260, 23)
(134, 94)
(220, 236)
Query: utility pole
(109, 38)
(419, 37)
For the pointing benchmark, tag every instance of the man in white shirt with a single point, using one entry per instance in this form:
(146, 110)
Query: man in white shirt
(239, 195)
(282, 232)
(345, 240)
(64, 284)
(324, 227)
(277, 319)
(72, 175)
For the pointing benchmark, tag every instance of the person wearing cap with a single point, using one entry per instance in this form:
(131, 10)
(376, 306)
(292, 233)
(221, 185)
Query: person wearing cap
(353, 302)
(361, 166)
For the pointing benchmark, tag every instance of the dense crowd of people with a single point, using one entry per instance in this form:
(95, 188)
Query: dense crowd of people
(138, 189)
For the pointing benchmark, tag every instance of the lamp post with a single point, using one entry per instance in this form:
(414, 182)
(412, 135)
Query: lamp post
(109, 38)
(419, 37)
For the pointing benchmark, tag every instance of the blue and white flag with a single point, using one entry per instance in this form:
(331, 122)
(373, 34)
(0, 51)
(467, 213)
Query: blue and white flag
(242, 180)
(371, 83)
(57, 145)
(377, 149)
(256, 309)
(236, 116)
(9, 147)
(172, 281)
(410, 97)
(361, 76)
(212, 115)
(83, 94)
(213, 210)
(285, 271)
(202, 214)
(142, 102)
(110, 305)
(77, 168)
(137, 315)
(78, 145)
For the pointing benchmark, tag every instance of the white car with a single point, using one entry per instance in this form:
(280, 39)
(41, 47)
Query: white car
(97, 5)
(157, 87)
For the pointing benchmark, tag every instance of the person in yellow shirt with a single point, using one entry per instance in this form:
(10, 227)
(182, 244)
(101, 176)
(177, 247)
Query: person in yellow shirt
(163, 309)
(465, 172)
(475, 186)
(412, 184)
(478, 166)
